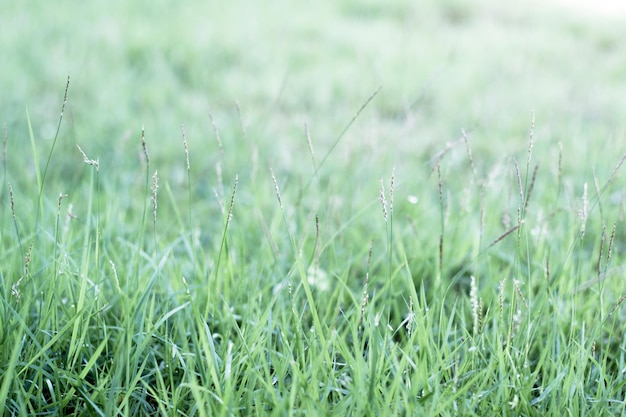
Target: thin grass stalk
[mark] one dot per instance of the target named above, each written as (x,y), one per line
(94,163)
(525,193)
(17,229)
(597,201)
(529,190)
(31,135)
(310,146)
(242,124)
(223,247)
(144,218)
(192,255)
(377,346)
(217,134)
(98,211)
(501,287)
(188,166)
(365,296)
(42,178)
(51,313)
(4,168)
(483,211)
(436,160)
(610,248)
(15,288)
(314,259)
(520,188)
(339,138)
(390,243)
(584,211)
(616,306)
(600,253)
(154,188)
(442,221)
(614,173)
(599,270)
(469,155)
(531,143)
(388,215)
(82,306)
(587,207)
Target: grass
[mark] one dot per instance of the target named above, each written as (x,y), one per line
(359,210)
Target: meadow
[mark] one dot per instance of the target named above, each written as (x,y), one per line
(330,208)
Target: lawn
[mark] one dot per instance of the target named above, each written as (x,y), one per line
(331,208)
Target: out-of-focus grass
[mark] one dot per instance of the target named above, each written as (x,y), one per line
(441,65)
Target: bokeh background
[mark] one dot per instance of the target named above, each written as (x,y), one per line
(441,66)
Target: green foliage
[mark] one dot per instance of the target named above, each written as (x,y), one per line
(413,209)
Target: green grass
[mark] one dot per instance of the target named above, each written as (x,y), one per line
(415,209)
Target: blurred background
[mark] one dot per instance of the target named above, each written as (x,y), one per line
(441,66)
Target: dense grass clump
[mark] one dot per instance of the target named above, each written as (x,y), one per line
(495,294)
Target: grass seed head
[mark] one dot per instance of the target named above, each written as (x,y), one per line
(518,290)
(505,234)
(67,87)
(383,199)
(92,162)
(232,201)
(531,139)
(583,212)
(115,277)
(61,197)
(12,201)
(182,128)
(144,145)
(599,263)
(277,189)
(217,133)
(15,288)
(529,191)
(616,306)
(154,188)
(391,186)
(475,302)
(614,173)
(365,296)
(410,319)
(519,182)
(469,154)
(440,186)
(610,248)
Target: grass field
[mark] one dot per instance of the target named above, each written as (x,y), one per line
(332,208)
